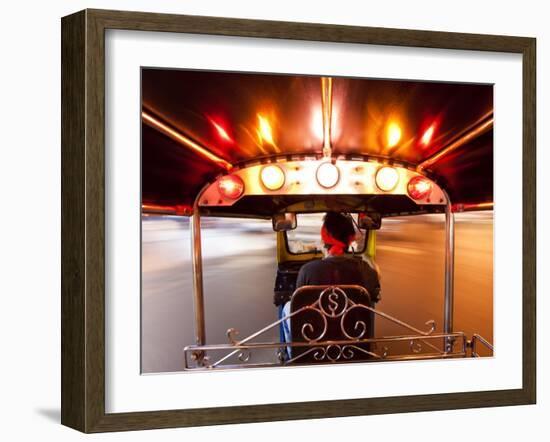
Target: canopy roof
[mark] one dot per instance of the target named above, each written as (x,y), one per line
(443,128)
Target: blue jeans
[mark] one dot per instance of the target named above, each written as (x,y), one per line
(284,327)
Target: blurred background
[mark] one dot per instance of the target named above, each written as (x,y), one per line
(239,264)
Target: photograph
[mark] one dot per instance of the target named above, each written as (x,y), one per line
(249,221)
(304,220)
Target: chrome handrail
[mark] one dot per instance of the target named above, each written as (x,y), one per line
(236,348)
(331,304)
(482,340)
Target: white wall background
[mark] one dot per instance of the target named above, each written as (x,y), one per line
(30,215)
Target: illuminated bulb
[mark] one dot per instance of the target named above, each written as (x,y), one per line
(394,134)
(221,131)
(265,130)
(272,177)
(419,187)
(386,178)
(427,137)
(328,175)
(231,186)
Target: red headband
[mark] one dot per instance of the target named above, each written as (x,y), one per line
(337,246)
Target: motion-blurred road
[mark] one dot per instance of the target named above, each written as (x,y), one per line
(239,273)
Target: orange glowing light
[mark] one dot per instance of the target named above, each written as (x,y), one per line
(393,134)
(221,131)
(317,124)
(427,136)
(264,130)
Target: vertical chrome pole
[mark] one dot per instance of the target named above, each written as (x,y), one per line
(449,274)
(198,298)
(326,103)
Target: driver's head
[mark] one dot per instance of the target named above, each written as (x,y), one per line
(338,231)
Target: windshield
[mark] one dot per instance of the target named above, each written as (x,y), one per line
(306,237)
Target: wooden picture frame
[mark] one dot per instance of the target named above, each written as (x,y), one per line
(83,220)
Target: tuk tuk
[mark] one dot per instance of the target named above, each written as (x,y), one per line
(196,167)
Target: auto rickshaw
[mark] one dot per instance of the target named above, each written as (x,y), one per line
(426,174)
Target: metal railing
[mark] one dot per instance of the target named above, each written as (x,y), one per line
(473,345)
(334,306)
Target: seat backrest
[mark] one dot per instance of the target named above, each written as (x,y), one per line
(322,314)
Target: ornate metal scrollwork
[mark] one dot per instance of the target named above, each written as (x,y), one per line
(351,347)
(431,324)
(308,327)
(232,334)
(319,354)
(334,353)
(360,327)
(244,356)
(336,302)
(347,351)
(415,346)
(332,304)
(199,356)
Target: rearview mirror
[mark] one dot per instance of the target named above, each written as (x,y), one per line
(283,222)
(369,220)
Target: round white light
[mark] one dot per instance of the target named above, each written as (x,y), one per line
(328,175)
(273,177)
(386,178)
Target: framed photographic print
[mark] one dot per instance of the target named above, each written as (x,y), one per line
(267,220)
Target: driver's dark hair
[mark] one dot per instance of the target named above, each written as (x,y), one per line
(339,226)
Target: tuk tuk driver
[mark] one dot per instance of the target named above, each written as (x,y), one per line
(337,233)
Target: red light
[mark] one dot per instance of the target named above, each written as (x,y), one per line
(428,131)
(419,188)
(428,135)
(231,186)
(222,133)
